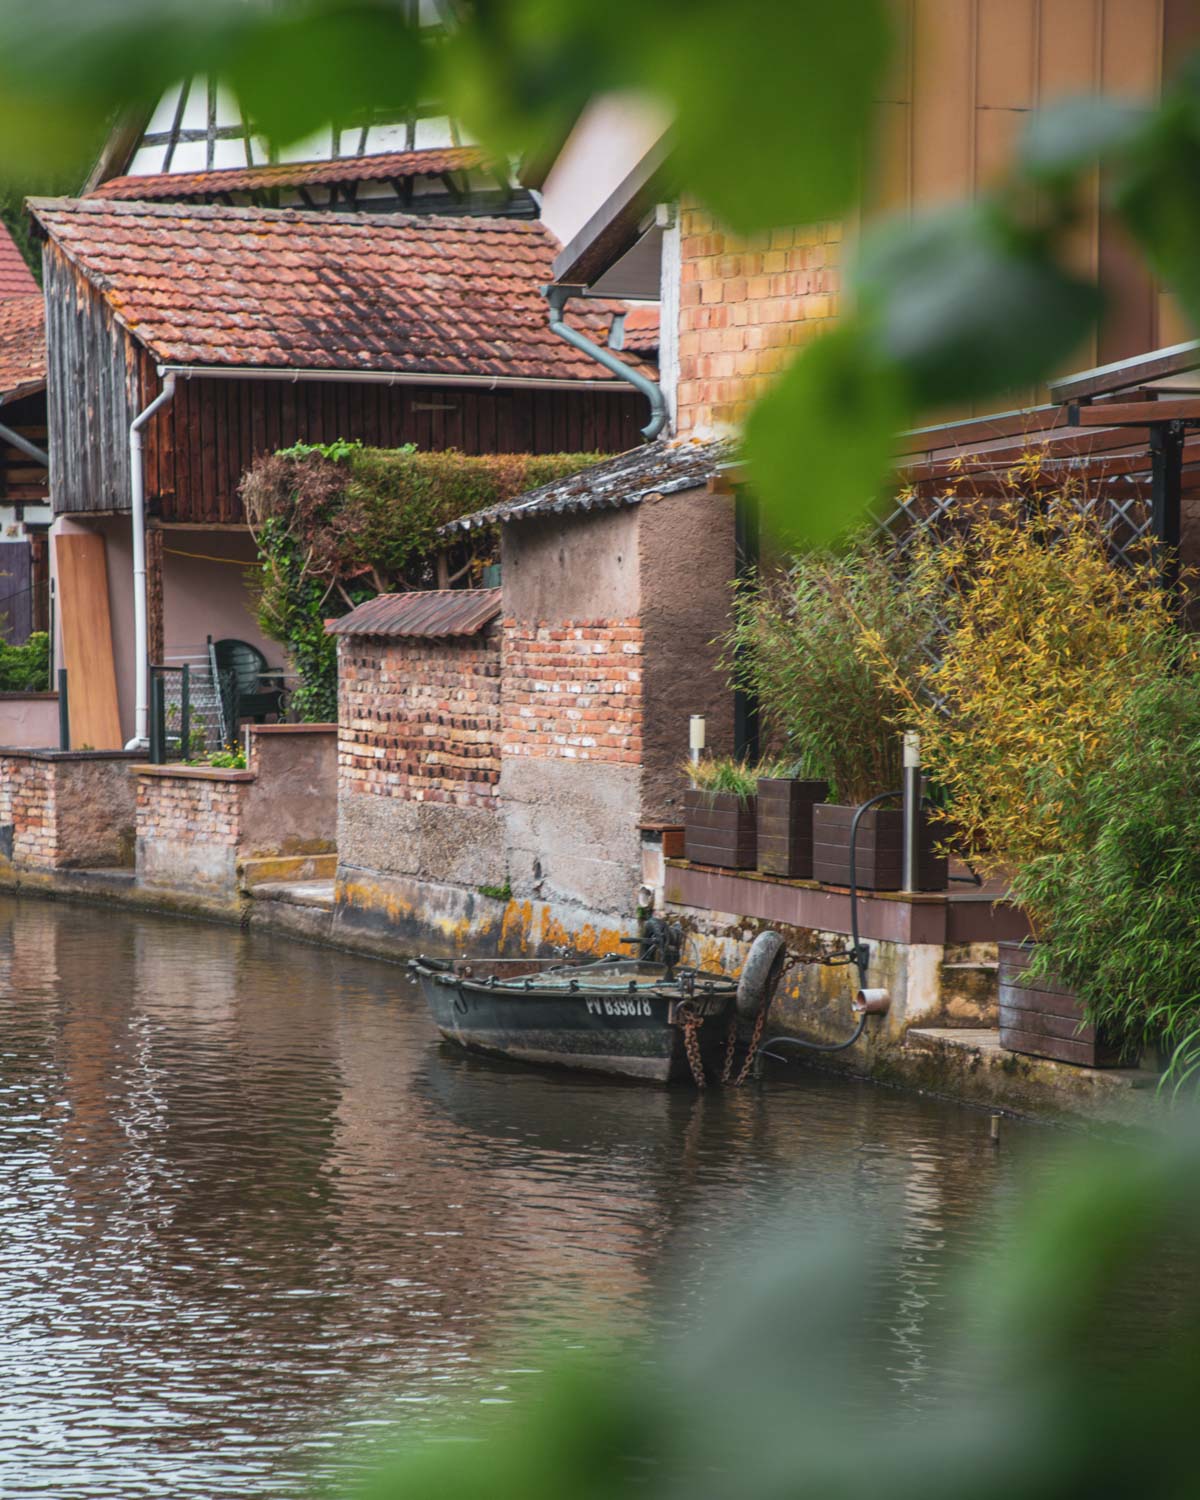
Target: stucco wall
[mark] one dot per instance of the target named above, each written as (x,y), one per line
(29,720)
(687,561)
(572,568)
(203,596)
(291,806)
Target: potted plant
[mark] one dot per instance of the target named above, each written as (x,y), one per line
(720,814)
(797,646)
(1026,717)
(785,821)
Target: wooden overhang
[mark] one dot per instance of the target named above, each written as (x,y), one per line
(617,225)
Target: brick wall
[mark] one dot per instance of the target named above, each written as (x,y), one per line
(420,720)
(573,690)
(65,809)
(744,306)
(27,805)
(189,826)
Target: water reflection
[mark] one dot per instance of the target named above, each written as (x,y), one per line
(246,1199)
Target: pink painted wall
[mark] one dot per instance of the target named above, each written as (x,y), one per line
(206,592)
(29,721)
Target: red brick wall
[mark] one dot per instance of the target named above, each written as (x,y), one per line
(420,719)
(182,811)
(573,690)
(744,306)
(27,802)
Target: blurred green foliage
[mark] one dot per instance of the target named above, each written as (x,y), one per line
(26,668)
(774,120)
(1078,1343)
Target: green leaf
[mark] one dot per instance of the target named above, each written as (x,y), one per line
(1070,136)
(1158,200)
(819,444)
(967,308)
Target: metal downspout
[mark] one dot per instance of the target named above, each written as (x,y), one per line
(23,445)
(558,297)
(141,634)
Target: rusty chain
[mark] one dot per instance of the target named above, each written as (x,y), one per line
(691,1024)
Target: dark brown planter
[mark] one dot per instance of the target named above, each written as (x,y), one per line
(719,829)
(1040,1016)
(879,849)
(785,825)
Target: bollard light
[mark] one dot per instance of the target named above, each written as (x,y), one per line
(696,731)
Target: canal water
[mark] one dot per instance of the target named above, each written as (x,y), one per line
(252,1209)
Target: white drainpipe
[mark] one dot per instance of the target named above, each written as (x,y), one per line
(141,633)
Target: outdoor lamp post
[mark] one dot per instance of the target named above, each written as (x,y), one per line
(696,726)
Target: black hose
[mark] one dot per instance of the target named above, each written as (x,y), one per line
(795,1041)
(860,956)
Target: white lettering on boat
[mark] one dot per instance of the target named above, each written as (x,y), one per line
(621,1007)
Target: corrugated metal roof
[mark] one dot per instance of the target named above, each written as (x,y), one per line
(660,468)
(432,614)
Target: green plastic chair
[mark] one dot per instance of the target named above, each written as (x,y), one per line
(256,690)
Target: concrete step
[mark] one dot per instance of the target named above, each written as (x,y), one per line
(312,893)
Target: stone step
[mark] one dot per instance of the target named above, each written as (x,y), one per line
(314,893)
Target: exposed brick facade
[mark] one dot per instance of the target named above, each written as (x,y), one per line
(420,719)
(178,811)
(573,690)
(64,810)
(744,306)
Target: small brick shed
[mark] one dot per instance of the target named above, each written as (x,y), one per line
(518,742)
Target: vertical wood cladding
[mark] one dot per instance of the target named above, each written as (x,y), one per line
(198,446)
(24,481)
(91,394)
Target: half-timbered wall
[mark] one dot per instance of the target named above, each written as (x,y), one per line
(91,394)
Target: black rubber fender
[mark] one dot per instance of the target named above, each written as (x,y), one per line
(761,974)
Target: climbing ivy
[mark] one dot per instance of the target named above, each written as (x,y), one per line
(337,523)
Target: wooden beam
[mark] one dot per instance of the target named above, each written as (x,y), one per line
(1125,373)
(1137,413)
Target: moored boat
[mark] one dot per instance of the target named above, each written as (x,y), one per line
(631,1017)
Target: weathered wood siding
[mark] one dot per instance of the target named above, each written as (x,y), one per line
(198,447)
(91,394)
(24,481)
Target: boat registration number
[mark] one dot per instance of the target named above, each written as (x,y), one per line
(624,1006)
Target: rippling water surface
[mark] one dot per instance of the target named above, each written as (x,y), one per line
(248,1204)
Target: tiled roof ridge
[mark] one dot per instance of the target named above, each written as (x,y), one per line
(432,161)
(134,208)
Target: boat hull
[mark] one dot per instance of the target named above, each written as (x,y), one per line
(626,1035)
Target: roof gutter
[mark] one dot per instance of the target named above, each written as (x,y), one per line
(558,296)
(23,445)
(387,377)
(141,632)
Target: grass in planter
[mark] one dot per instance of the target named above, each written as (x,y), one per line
(724,773)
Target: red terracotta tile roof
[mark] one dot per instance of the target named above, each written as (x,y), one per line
(384,168)
(276,288)
(16,279)
(431,614)
(22,346)
(642,329)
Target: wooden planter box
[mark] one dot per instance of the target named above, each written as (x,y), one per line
(1041,1017)
(719,828)
(878,849)
(785,825)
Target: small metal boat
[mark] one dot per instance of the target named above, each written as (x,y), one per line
(633,1017)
